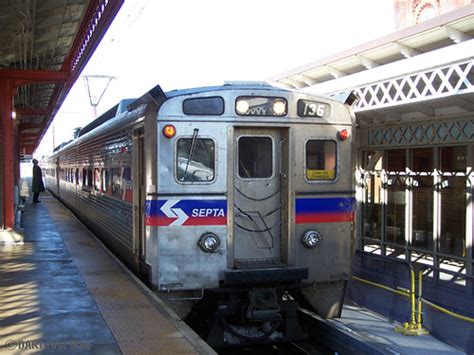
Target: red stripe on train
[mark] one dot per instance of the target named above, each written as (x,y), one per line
(191,221)
(324,217)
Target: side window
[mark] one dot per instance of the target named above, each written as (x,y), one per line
(89,177)
(76,176)
(127,184)
(321,160)
(97,179)
(116,182)
(104,187)
(195,162)
(255,157)
(84,177)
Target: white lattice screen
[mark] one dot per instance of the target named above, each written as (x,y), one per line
(456,79)
(439,132)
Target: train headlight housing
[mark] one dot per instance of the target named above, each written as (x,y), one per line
(209,242)
(311,238)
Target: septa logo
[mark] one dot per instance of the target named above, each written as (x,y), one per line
(186,212)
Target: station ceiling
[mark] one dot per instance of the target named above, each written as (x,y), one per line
(44,45)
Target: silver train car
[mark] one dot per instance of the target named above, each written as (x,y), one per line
(235,201)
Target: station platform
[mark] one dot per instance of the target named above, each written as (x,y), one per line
(61,291)
(361,331)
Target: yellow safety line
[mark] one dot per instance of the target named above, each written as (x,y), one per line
(444,310)
(401,293)
(410,294)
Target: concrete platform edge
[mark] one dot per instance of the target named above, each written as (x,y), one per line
(342,339)
(201,346)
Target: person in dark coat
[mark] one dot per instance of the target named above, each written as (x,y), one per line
(37,185)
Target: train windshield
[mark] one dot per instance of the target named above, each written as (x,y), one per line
(195,160)
(320,160)
(255,157)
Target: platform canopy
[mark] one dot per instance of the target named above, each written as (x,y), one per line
(44,45)
(422,71)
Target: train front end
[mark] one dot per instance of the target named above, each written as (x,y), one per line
(251,210)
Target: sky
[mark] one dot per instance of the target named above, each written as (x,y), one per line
(187,43)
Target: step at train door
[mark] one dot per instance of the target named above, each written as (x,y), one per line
(257,202)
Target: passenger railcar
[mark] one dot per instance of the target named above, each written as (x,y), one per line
(237,200)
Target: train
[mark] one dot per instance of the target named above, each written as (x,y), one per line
(235,203)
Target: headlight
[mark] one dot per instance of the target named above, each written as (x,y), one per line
(261,106)
(279,108)
(311,238)
(242,106)
(209,242)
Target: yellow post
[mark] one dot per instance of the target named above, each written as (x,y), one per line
(420,287)
(412,298)
(414,326)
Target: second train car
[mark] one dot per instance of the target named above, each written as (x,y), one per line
(236,201)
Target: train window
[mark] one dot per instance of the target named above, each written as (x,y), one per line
(104,182)
(195,162)
(76,176)
(127,186)
(204,106)
(84,177)
(97,182)
(321,160)
(116,182)
(89,177)
(255,157)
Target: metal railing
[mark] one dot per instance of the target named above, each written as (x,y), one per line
(415,295)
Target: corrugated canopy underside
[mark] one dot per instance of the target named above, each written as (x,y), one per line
(44,44)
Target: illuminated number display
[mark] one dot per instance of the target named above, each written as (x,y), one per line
(308,108)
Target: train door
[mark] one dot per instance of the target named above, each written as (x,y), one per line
(58,178)
(258,191)
(138,195)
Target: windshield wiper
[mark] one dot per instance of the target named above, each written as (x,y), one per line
(191,152)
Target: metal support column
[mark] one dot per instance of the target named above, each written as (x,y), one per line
(7,169)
